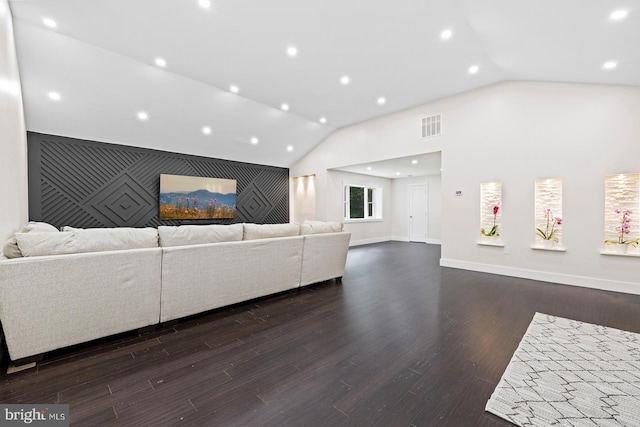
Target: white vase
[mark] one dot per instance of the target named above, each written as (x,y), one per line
(547,244)
(621,248)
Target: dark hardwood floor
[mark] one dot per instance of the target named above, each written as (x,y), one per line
(400,342)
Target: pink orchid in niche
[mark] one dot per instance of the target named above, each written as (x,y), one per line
(550,230)
(623,229)
(494,230)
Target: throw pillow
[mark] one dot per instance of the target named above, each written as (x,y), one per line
(11,249)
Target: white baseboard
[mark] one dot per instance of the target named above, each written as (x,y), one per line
(544,276)
(392,238)
(406,239)
(368,241)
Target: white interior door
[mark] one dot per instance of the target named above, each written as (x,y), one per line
(418,213)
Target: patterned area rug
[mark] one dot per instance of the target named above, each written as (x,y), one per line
(570,373)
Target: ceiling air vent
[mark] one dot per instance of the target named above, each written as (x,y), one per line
(432,126)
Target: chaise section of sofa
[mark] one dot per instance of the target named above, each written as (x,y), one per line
(324,257)
(50,302)
(198,278)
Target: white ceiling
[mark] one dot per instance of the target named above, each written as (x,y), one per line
(402,167)
(100,59)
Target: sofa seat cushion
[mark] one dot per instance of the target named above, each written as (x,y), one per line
(266,231)
(11,249)
(199,234)
(318,227)
(86,240)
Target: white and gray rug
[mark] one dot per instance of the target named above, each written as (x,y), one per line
(570,373)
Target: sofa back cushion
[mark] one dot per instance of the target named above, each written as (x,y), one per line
(318,227)
(198,234)
(11,249)
(265,231)
(86,240)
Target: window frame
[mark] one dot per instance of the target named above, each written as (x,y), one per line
(372,203)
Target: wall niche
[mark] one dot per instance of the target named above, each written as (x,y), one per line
(491,214)
(622,214)
(548,214)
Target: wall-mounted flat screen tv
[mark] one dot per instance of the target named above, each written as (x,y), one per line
(194,197)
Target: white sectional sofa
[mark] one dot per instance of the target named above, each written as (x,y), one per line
(78,285)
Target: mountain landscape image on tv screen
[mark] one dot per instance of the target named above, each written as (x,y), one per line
(194,197)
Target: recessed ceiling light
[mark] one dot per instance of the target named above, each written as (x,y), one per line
(234,89)
(292,51)
(414,162)
(161,62)
(205,4)
(610,65)
(381,100)
(619,14)
(49,22)
(397,173)
(446,34)
(369,168)
(290,148)
(143,115)
(206,130)
(284,107)
(254,140)
(345,80)
(473,69)
(323,120)
(54,96)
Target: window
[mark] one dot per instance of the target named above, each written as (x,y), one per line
(362,202)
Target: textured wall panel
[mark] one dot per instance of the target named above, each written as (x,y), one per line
(92,184)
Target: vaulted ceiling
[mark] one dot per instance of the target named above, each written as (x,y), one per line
(212,75)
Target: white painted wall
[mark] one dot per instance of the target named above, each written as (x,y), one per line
(400,207)
(362,232)
(517,133)
(13,161)
(388,137)
(514,132)
(303,195)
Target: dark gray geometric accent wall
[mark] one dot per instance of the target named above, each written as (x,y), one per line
(89,184)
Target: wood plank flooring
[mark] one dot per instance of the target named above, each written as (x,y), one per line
(400,342)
